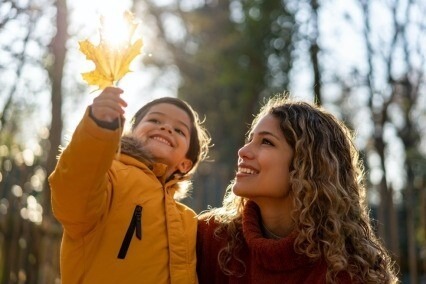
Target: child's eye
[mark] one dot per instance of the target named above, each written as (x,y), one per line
(154,120)
(180,132)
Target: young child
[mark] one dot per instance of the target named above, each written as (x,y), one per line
(120,218)
(296,211)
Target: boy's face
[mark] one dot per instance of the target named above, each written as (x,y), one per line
(165,133)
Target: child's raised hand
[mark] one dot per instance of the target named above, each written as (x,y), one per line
(108,105)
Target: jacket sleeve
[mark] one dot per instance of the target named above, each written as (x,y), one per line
(80,184)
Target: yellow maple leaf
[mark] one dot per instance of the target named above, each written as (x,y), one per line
(112,59)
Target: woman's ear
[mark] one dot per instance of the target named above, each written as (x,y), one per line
(185,166)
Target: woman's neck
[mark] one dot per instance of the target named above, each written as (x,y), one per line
(276,223)
(268,234)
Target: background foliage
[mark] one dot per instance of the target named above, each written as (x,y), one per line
(364,61)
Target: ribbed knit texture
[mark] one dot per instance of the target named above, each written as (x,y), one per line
(266,260)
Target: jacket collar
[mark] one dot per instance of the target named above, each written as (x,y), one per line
(132,153)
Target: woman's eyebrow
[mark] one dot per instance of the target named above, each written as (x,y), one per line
(268,133)
(263,133)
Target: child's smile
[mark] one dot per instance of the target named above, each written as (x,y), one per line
(162,140)
(165,133)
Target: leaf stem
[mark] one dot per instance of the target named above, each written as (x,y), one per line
(117,155)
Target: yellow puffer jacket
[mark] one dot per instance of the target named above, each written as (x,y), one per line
(105,205)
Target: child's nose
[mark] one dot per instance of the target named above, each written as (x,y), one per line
(166,127)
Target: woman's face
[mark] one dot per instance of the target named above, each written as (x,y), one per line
(264,163)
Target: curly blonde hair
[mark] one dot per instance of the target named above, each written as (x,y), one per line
(327,185)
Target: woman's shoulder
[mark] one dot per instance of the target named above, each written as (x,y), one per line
(206,219)
(207,223)
(206,214)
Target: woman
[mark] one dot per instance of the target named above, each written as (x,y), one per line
(296,211)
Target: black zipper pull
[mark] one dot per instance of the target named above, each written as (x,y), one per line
(138,213)
(135,225)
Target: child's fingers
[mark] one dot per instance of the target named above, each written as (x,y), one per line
(113,93)
(108,105)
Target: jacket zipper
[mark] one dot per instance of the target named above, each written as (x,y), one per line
(134,226)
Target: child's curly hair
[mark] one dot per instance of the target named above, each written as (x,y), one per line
(327,185)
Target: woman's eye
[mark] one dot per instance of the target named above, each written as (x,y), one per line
(267,142)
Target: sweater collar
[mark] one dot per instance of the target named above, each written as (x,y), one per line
(275,255)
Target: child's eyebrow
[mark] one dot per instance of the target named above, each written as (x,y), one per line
(177,120)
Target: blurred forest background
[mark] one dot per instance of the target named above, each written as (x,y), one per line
(364,60)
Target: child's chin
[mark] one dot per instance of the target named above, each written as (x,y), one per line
(160,157)
(157,149)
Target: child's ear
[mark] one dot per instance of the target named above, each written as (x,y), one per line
(185,166)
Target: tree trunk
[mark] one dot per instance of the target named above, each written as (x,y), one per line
(50,242)
(314,50)
(58,49)
(411,232)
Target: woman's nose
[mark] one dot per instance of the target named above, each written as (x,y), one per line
(245,152)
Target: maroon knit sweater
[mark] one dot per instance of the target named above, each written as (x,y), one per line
(266,260)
